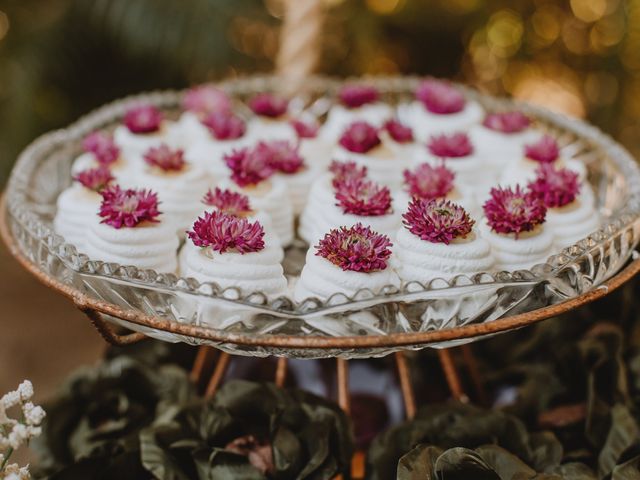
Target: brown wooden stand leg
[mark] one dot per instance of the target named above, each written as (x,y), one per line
(218,374)
(343,385)
(281,371)
(203,364)
(451,374)
(472,366)
(106,330)
(405,385)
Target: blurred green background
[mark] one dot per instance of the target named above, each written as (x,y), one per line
(61,58)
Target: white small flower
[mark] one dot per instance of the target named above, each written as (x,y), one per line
(33,414)
(10,399)
(25,389)
(19,434)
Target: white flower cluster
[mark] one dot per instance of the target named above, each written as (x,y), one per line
(15,433)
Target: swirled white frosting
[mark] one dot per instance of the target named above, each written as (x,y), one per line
(320,196)
(209,154)
(147,245)
(263,128)
(320,278)
(574,221)
(250,272)
(422,261)
(523,171)
(125,171)
(384,165)
(189,130)
(136,144)
(341,117)
(77,209)
(501,148)
(316,151)
(298,186)
(529,249)
(425,123)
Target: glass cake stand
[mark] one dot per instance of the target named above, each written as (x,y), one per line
(438,314)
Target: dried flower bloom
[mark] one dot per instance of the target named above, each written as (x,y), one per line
(228,201)
(357,248)
(128,208)
(363,197)
(205,99)
(514,211)
(305,128)
(398,131)
(282,155)
(555,187)
(224,125)
(259,453)
(249,166)
(102,146)
(437,221)
(440,97)
(143,119)
(268,105)
(545,150)
(454,145)
(507,122)
(94,178)
(429,182)
(360,137)
(222,232)
(165,158)
(354,96)
(343,171)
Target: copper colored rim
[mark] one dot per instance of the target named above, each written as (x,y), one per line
(87,304)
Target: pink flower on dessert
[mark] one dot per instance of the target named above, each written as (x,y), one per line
(102,146)
(228,201)
(360,137)
(437,221)
(555,187)
(507,122)
(223,232)
(354,96)
(128,208)
(429,182)
(143,119)
(398,131)
(224,125)
(283,156)
(249,166)
(440,97)
(268,105)
(357,248)
(514,211)
(545,150)
(165,158)
(454,145)
(305,128)
(205,99)
(94,178)
(343,171)
(363,197)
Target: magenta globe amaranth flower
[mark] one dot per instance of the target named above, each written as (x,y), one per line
(514,211)
(268,105)
(453,145)
(555,187)
(249,166)
(398,131)
(143,119)
(440,97)
(343,171)
(357,248)
(102,146)
(429,182)
(437,221)
(223,232)
(94,179)
(360,137)
(356,95)
(507,122)
(545,150)
(363,197)
(165,158)
(128,208)
(224,125)
(205,99)
(283,156)
(228,201)
(307,128)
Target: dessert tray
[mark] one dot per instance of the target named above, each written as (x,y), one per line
(441,313)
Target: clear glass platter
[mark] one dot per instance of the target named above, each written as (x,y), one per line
(176,309)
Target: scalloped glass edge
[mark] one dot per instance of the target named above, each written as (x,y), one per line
(568,259)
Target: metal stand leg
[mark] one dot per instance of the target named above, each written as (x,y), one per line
(472,366)
(451,374)
(202,363)
(405,384)
(218,374)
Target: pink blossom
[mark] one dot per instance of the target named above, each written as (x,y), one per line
(268,105)
(343,171)
(224,125)
(429,182)
(454,145)
(94,178)
(507,122)
(360,137)
(249,166)
(398,131)
(165,158)
(143,119)
(223,232)
(102,146)
(555,187)
(228,201)
(440,97)
(206,99)
(354,96)
(514,211)
(545,150)
(363,197)
(128,208)
(357,248)
(282,155)
(437,221)
(305,128)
